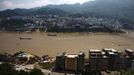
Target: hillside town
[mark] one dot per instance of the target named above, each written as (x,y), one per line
(56,23)
(107,61)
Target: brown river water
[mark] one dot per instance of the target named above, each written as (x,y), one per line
(42,44)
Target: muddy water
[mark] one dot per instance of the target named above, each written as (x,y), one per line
(41,44)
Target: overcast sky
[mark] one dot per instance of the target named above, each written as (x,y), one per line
(11,4)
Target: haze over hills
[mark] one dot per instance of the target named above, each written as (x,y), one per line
(120,9)
(113,8)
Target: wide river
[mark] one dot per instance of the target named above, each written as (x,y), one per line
(41,44)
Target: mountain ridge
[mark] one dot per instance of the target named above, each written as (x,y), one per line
(121,9)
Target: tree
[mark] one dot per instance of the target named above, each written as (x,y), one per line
(36,71)
(7,69)
(22,72)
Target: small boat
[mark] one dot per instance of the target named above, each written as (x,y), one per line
(25,38)
(51,34)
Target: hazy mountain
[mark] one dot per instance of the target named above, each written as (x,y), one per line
(32,11)
(70,8)
(46,11)
(122,9)
(117,8)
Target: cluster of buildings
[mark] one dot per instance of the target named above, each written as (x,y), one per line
(57,23)
(24,61)
(70,62)
(21,57)
(110,60)
(105,60)
(99,60)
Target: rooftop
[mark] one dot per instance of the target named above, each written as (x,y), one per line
(109,50)
(81,53)
(25,55)
(61,54)
(72,55)
(95,50)
(111,53)
(129,50)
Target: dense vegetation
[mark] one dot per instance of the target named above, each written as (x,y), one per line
(8,69)
(47,65)
(14,24)
(128,72)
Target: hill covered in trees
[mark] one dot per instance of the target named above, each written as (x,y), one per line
(118,9)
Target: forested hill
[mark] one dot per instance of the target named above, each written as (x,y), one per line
(121,9)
